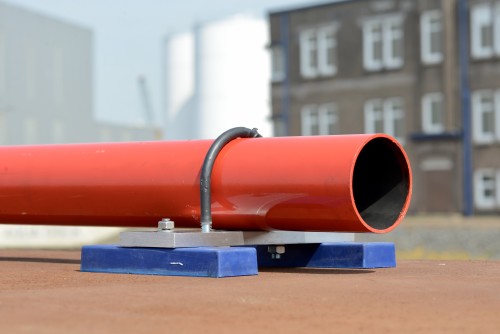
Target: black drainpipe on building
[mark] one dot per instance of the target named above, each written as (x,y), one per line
(463,40)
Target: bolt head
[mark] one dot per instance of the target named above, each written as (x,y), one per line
(166,224)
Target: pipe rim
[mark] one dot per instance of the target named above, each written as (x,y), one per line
(381,183)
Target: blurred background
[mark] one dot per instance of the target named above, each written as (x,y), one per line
(424,71)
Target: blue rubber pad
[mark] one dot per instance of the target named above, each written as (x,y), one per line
(332,255)
(196,261)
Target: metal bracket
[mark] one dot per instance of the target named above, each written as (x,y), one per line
(180,239)
(168,237)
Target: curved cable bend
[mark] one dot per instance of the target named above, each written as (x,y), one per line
(206,170)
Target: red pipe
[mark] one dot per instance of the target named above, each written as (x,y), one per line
(355,183)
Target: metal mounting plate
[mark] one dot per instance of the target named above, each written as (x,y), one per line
(293,237)
(195,238)
(179,239)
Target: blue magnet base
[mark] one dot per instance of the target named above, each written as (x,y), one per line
(359,255)
(196,261)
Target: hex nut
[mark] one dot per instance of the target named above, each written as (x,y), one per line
(280,249)
(276,249)
(166,224)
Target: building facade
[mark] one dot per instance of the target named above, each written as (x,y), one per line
(426,72)
(46,83)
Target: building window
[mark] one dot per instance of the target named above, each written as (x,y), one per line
(319,119)
(372,50)
(394,118)
(386,116)
(327,50)
(374,116)
(308,53)
(485,184)
(432,113)
(318,52)
(485,30)
(431,50)
(383,43)
(277,63)
(485,115)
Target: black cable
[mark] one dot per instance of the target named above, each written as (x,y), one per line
(206,170)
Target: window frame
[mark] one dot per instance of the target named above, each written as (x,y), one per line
(428,125)
(324,44)
(321,116)
(314,47)
(369,39)
(308,113)
(392,61)
(308,46)
(328,116)
(388,111)
(384,30)
(427,29)
(495,13)
(374,112)
(481,16)
(478,134)
(481,201)
(278,66)
(393,113)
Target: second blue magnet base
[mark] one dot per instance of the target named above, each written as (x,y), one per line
(356,255)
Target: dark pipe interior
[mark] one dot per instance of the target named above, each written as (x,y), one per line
(381,183)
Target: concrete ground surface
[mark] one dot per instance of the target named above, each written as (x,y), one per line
(44,292)
(444,237)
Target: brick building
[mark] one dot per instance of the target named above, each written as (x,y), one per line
(425,71)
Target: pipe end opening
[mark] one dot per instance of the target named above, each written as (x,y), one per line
(381,183)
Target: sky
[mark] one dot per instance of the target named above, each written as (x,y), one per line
(127,37)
